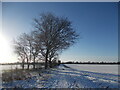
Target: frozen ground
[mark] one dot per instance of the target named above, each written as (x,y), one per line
(65,77)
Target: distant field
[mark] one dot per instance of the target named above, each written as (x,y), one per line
(113,69)
(9,67)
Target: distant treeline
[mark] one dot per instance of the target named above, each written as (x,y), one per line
(70,62)
(37,63)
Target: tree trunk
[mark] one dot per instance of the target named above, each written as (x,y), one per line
(46,63)
(34,63)
(28,64)
(23,65)
(50,63)
(46,60)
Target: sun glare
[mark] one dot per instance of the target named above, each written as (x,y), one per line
(5,50)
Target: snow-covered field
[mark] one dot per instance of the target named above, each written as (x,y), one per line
(10,67)
(113,69)
(68,76)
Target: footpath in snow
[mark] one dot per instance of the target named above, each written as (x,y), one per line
(65,77)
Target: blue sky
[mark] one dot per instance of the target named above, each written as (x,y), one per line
(97,24)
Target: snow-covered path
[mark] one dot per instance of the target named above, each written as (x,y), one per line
(65,77)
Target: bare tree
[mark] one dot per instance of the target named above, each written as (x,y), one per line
(35,48)
(53,55)
(55,34)
(52,35)
(21,49)
(27,48)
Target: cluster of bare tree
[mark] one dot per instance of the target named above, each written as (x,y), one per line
(51,35)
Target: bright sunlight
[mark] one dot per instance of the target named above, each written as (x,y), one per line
(6,54)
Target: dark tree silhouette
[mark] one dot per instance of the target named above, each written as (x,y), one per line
(27,49)
(21,49)
(51,36)
(54,33)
